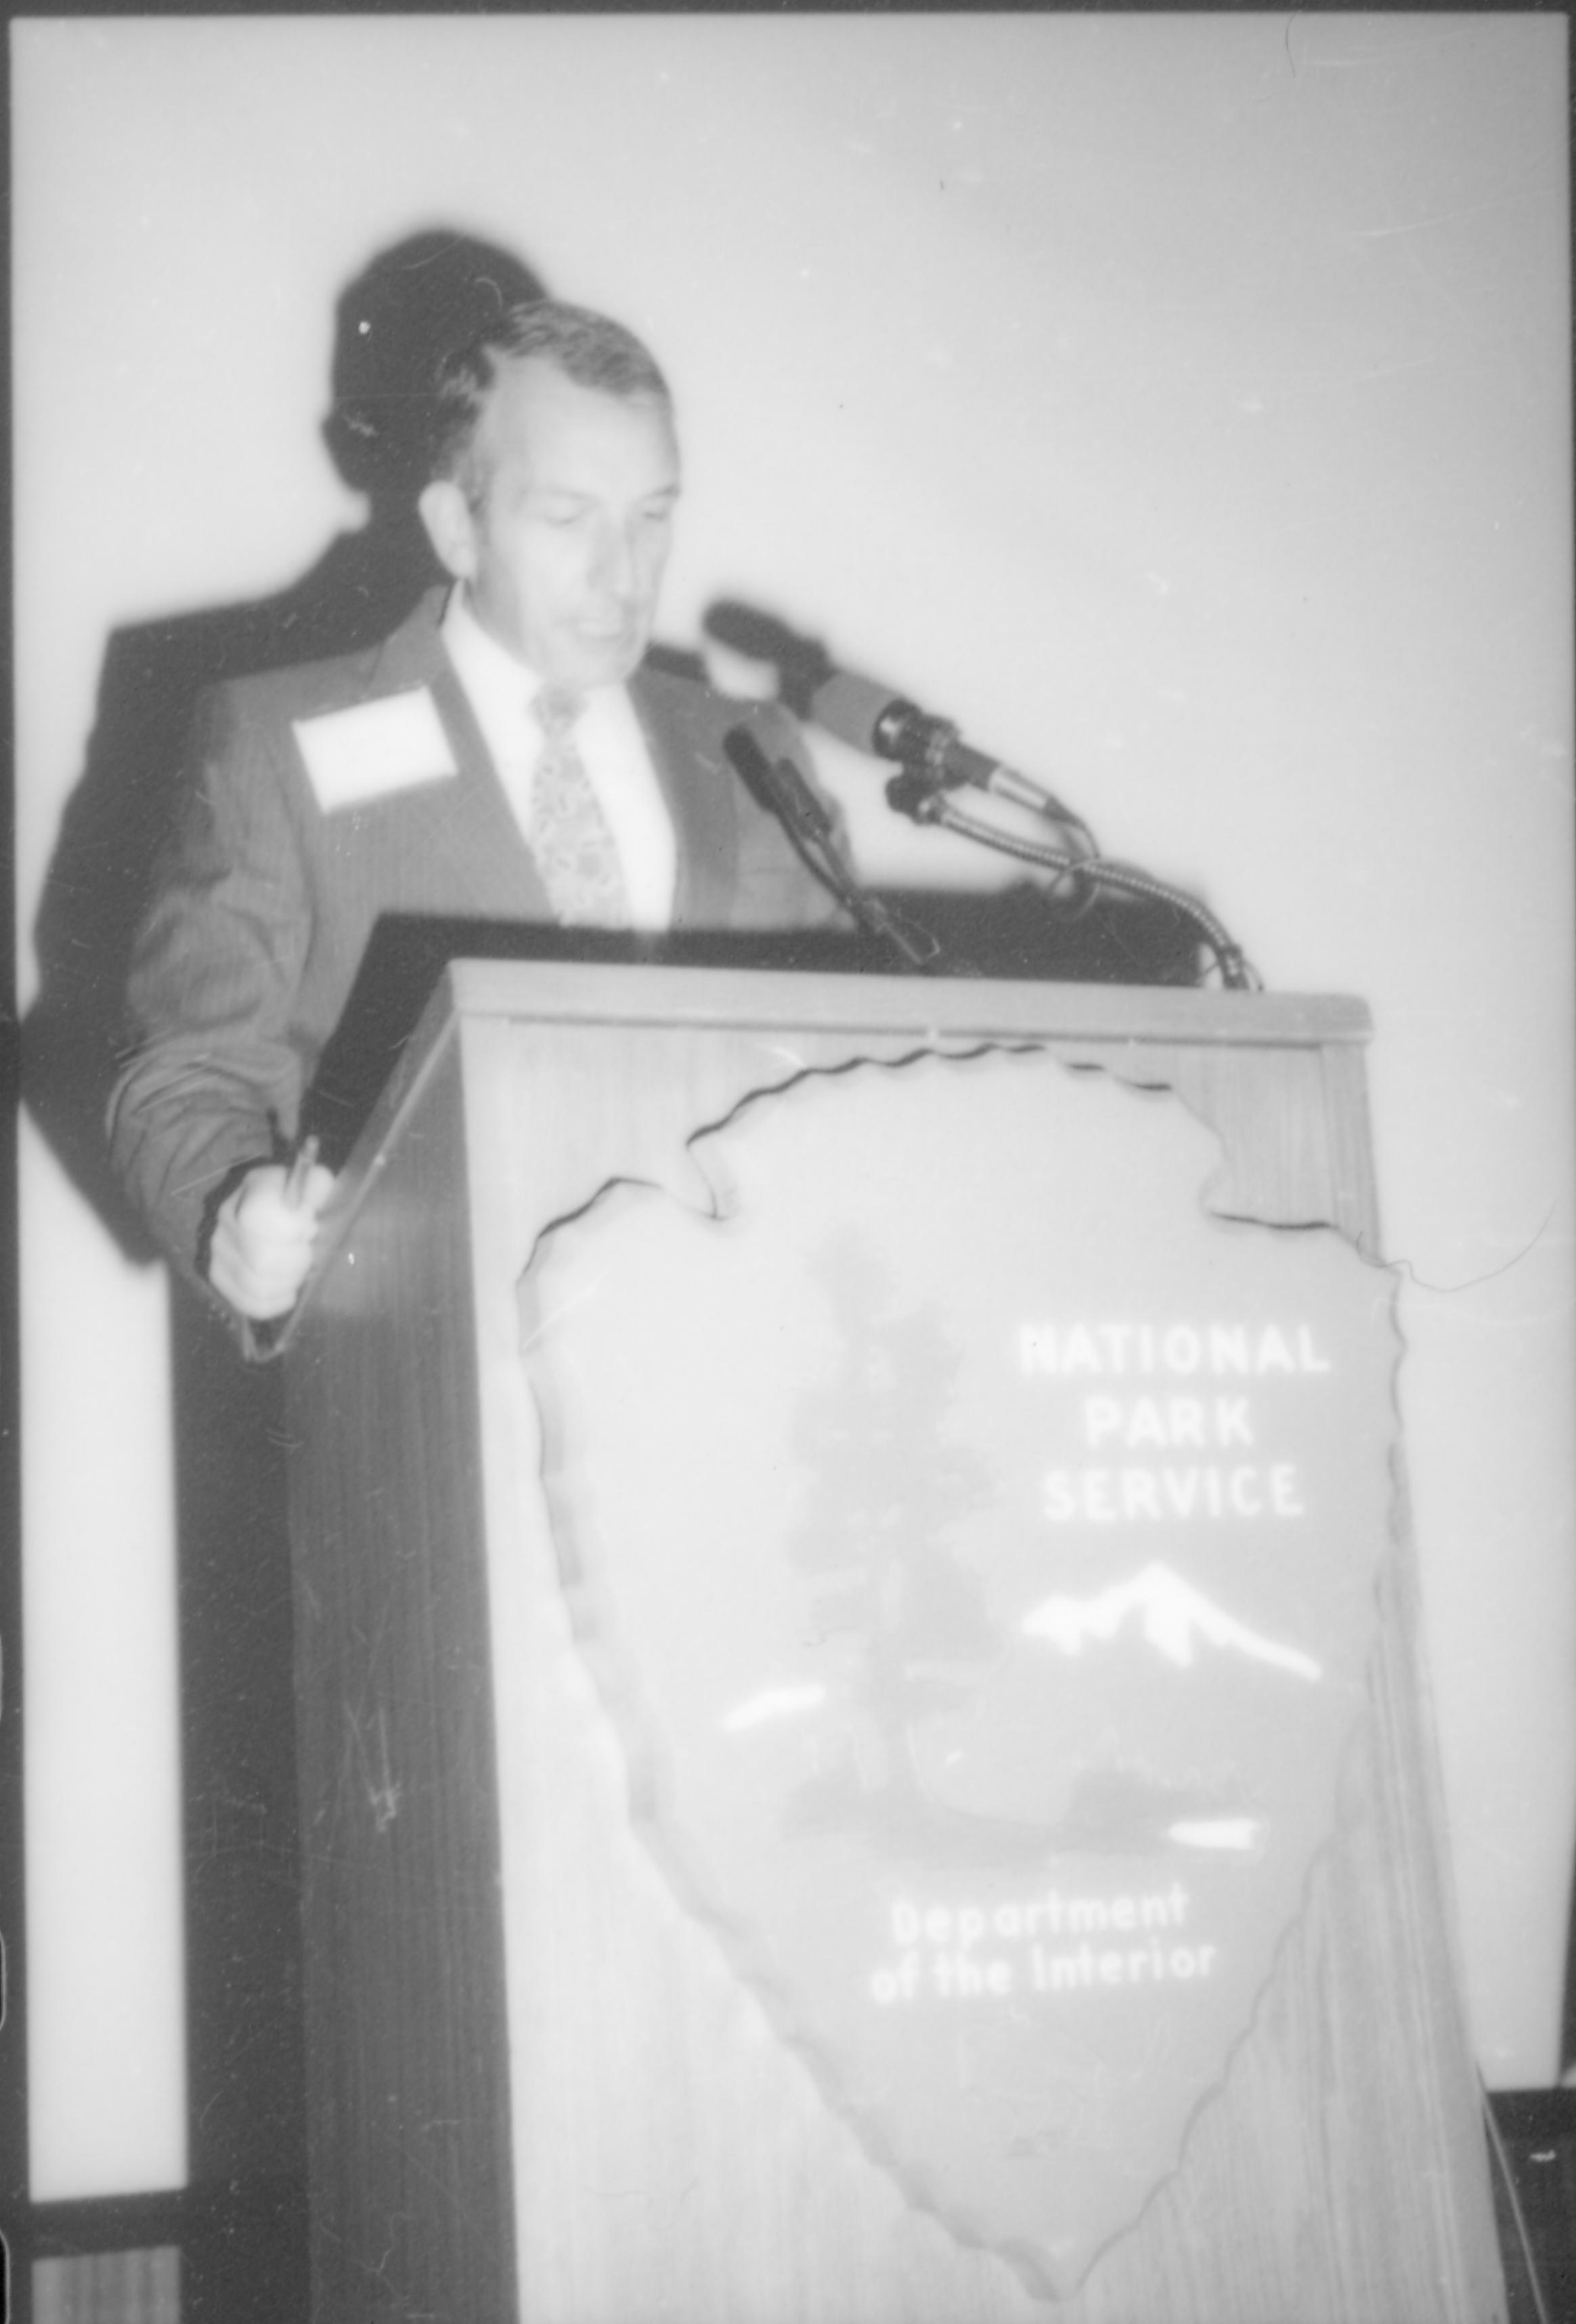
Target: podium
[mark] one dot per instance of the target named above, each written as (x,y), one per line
(545,2081)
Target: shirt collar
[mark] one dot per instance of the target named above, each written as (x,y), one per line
(490,671)
(499,686)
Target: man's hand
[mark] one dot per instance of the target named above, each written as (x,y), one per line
(263,1233)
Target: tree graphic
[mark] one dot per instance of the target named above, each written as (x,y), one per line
(900,1615)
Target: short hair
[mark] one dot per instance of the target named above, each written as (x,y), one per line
(590,350)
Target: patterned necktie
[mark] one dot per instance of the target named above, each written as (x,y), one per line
(569,835)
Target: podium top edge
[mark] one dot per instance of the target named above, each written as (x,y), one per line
(922,1008)
(773,999)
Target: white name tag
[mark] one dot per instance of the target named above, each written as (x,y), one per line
(375,749)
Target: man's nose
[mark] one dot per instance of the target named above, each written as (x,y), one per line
(616,568)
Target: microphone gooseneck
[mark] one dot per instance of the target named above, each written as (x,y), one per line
(934,760)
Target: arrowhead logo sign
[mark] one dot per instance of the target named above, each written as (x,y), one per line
(976,1542)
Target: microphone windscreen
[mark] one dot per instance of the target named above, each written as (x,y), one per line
(801,663)
(760,637)
(852,709)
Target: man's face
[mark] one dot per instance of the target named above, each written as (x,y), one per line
(563,557)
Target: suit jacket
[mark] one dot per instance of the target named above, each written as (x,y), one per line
(267,899)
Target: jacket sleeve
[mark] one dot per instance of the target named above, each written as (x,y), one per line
(212,1081)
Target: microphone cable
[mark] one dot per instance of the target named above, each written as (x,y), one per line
(913,794)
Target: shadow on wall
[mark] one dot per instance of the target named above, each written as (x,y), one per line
(245,2095)
(412,303)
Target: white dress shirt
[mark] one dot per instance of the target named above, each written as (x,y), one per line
(612,750)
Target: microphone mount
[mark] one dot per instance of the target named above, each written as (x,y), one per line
(936,759)
(938,734)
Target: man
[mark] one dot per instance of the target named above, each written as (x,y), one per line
(502,754)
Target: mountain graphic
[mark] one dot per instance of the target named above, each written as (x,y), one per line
(1173,1617)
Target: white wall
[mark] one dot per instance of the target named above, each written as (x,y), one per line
(1180,402)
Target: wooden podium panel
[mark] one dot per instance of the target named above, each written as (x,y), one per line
(538,2088)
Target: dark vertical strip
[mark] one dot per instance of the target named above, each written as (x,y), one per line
(13,2189)
(241,1860)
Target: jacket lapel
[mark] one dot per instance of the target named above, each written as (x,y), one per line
(470,821)
(686,758)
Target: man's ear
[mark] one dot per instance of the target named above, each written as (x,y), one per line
(451,527)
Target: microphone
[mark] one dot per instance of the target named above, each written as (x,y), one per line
(801,663)
(876,719)
(778,784)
